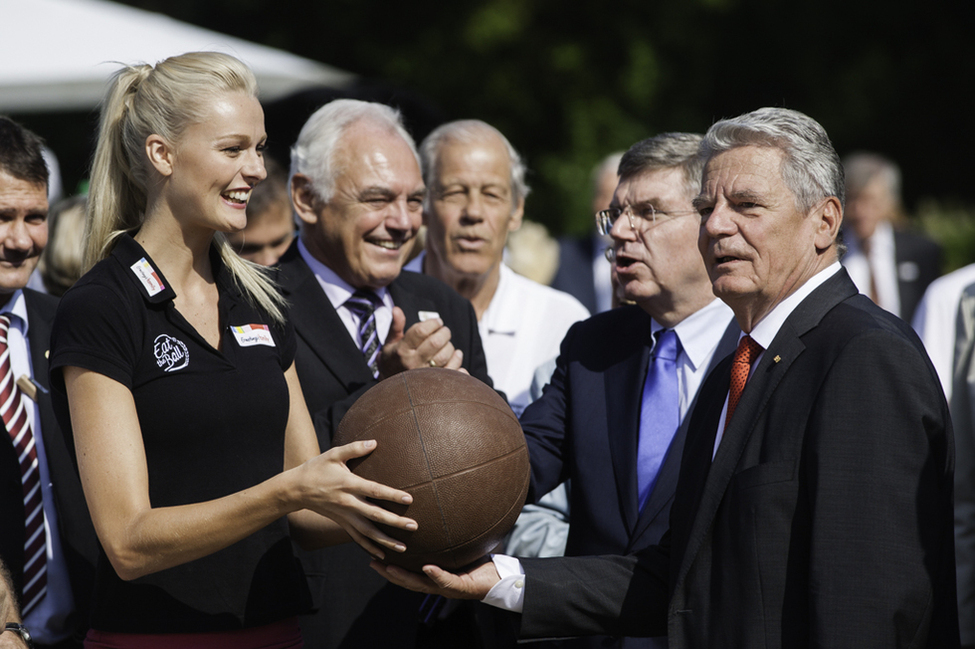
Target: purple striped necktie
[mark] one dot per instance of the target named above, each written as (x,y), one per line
(13,409)
(363,304)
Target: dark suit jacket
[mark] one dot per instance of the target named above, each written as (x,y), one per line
(78,540)
(824,519)
(586,426)
(357,607)
(574,275)
(918,263)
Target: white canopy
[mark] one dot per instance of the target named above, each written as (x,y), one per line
(59,54)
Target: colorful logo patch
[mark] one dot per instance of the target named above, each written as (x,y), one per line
(171,353)
(252,334)
(147,275)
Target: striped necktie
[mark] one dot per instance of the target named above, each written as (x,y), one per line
(13,409)
(363,304)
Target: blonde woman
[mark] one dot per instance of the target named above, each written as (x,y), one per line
(173,370)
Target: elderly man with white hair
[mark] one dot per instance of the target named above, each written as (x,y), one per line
(357,191)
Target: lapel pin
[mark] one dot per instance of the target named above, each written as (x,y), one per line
(47,353)
(777,358)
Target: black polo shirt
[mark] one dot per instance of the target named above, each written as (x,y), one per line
(212,422)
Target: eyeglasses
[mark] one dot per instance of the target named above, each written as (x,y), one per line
(641,219)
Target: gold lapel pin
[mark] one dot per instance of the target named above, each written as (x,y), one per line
(777,358)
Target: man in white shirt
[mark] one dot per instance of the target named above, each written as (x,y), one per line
(814,505)
(476,195)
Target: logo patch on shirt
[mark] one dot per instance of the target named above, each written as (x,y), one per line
(252,334)
(171,353)
(147,275)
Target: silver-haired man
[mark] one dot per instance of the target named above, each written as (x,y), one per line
(814,505)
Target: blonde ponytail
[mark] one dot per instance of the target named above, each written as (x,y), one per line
(143,100)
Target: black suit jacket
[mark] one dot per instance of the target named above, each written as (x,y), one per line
(357,607)
(824,520)
(918,263)
(78,540)
(586,427)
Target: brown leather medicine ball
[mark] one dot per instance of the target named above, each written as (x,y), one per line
(456,447)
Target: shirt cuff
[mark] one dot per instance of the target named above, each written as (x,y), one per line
(509,593)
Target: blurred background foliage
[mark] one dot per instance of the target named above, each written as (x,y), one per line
(569,83)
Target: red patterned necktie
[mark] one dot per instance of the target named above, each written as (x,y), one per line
(13,409)
(748,350)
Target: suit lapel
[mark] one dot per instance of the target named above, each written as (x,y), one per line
(39,335)
(624,393)
(312,313)
(785,348)
(410,302)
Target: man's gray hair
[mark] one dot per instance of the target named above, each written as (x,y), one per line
(862,167)
(313,155)
(667,151)
(469,131)
(811,168)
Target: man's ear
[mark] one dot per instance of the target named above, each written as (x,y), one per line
(303,199)
(161,154)
(516,215)
(829,217)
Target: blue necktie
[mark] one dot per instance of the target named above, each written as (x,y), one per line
(659,412)
(363,303)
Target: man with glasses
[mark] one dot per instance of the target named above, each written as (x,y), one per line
(814,504)
(613,419)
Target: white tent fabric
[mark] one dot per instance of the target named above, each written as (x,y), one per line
(59,54)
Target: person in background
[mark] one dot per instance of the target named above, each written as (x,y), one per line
(583,270)
(888,264)
(270,221)
(476,195)
(63,257)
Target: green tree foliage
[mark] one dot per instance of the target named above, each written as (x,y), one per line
(570,82)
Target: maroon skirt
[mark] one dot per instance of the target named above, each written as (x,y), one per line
(285,634)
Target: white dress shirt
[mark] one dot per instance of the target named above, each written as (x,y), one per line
(765,331)
(881,264)
(521,330)
(935,321)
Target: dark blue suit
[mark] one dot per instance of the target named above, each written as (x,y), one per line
(586,427)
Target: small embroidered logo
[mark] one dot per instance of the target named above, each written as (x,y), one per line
(171,353)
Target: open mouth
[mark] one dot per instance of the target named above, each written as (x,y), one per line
(238,196)
(388,244)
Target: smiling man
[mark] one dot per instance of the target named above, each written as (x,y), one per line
(46,537)
(357,190)
(814,504)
